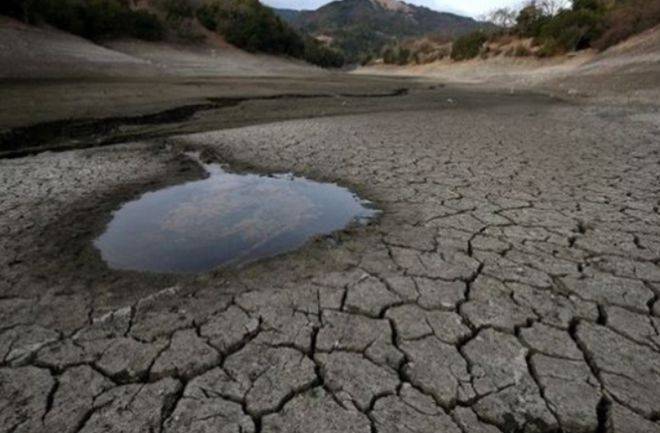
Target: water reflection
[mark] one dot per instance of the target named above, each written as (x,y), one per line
(226,219)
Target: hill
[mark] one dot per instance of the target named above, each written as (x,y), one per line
(627,72)
(288,15)
(361,28)
(31,52)
(246,24)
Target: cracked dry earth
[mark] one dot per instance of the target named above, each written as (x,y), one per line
(511,285)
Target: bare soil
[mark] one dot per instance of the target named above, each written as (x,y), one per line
(512,283)
(626,73)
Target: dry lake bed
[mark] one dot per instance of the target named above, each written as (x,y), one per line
(509,281)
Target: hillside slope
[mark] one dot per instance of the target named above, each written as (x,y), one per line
(628,71)
(37,52)
(390,17)
(362,27)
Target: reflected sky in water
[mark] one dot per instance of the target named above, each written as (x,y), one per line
(226,219)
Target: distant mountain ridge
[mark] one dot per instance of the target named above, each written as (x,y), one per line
(288,15)
(362,27)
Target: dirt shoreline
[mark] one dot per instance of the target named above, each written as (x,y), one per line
(64,127)
(622,75)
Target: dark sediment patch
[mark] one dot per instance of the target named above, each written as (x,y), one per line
(88,132)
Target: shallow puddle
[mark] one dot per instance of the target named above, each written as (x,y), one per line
(226,219)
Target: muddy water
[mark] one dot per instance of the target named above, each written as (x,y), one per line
(226,219)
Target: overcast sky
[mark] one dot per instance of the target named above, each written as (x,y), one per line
(472,8)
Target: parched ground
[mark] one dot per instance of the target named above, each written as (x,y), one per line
(511,284)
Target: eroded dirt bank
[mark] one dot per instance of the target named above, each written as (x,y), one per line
(511,285)
(623,74)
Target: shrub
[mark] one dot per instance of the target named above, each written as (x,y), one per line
(588,23)
(318,54)
(402,56)
(468,46)
(530,21)
(572,29)
(396,55)
(186,32)
(388,56)
(146,26)
(253,27)
(550,48)
(176,10)
(589,5)
(206,17)
(13,8)
(596,23)
(366,59)
(94,19)
(68,15)
(106,18)
(626,19)
(522,51)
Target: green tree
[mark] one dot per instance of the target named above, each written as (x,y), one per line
(468,46)
(93,19)
(251,26)
(530,21)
